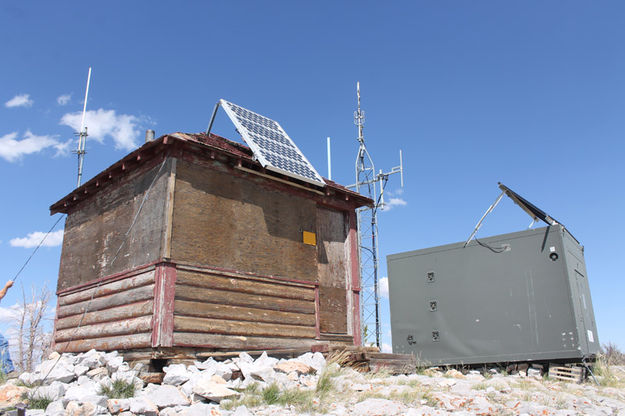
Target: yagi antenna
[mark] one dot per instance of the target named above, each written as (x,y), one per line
(82,133)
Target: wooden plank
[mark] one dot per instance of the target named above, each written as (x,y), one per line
(108,288)
(332,310)
(212,281)
(211,310)
(129,326)
(105,343)
(222,326)
(109,301)
(240,343)
(133,310)
(169,210)
(163,322)
(244,299)
(574,374)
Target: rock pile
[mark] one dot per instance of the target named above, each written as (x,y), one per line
(81,385)
(76,384)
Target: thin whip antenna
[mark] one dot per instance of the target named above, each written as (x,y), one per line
(82,133)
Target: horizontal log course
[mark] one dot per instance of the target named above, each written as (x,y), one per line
(108,301)
(108,288)
(129,326)
(221,326)
(244,285)
(239,343)
(211,310)
(275,303)
(105,343)
(112,315)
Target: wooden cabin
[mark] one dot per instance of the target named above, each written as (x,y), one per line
(188,244)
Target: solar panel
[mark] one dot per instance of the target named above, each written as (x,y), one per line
(273,148)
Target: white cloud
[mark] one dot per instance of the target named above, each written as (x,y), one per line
(383,287)
(12,149)
(394,202)
(387,348)
(19,101)
(10,314)
(33,239)
(101,123)
(64,99)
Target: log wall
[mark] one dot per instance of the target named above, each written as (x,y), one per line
(119,314)
(225,310)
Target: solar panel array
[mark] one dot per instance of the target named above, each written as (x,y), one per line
(273,148)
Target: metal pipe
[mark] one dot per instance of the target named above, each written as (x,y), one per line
(329,161)
(479,223)
(210,124)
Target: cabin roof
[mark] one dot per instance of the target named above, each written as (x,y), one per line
(203,145)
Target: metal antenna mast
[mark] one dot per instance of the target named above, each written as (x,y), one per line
(82,133)
(370,184)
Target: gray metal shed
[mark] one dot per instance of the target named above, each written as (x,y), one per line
(514,297)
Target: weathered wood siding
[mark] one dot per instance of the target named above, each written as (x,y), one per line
(332,231)
(221,220)
(96,230)
(226,310)
(119,315)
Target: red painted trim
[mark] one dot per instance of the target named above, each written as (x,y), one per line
(156,307)
(317,317)
(56,318)
(221,271)
(355,273)
(167,311)
(107,279)
(163,311)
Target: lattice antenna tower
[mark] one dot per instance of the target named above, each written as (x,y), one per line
(371,184)
(82,134)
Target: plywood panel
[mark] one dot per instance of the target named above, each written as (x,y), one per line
(332,229)
(243,285)
(96,230)
(211,310)
(222,220)
(223,326)
(243,299)
(333,310)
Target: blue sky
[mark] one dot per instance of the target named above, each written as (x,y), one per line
(528,93)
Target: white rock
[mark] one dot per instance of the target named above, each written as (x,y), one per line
(113,362)
(200,409)
(315,360)
(241,411)
(92,359)
(35,412)
(55,408)
(80,369)
(118,405)
(97,373)
(78,392)
(54,391)
(213,391)
(374,407)
(164,395)
(176,374)
(168,411)
(143,406)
